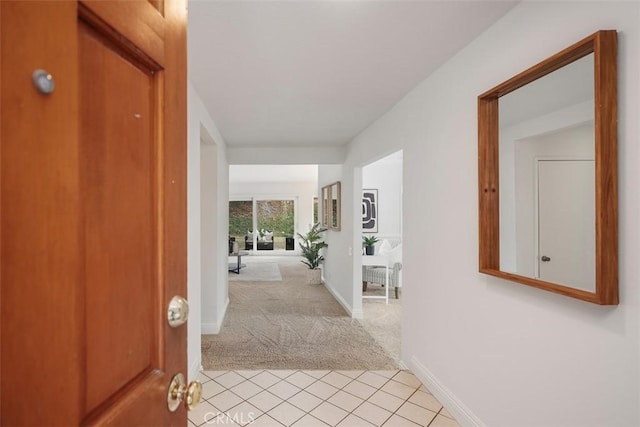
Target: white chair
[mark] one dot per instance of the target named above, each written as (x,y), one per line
(377,275)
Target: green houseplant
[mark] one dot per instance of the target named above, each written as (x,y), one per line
(311,243)
(369,242)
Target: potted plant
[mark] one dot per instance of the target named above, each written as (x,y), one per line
(369,242)
(311,243)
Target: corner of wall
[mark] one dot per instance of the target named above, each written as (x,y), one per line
(356,314)
(213,328)
(451,402)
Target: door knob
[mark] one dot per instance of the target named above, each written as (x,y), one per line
(178,311)
(545,258)
(179,391)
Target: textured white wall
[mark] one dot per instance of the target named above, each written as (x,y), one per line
(201,127)
(499,353)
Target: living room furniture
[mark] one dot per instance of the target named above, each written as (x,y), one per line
(387,276)
(368,263)
(236,266)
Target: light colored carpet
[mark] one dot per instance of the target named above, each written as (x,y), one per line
(288,325)
(257,272)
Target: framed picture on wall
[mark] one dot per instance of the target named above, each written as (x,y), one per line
(370,211)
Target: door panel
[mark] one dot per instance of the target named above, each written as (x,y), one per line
(93,211)
(567,224)
(118,187)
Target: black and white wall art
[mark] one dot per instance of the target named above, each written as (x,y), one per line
(370,211)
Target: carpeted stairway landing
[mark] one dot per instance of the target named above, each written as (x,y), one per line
(288,325)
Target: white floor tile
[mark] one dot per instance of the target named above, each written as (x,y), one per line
(265,379)
(249,374)
(372,413)
(282,373)
(386,374)
(202,378)
(265,401)
(301,379)
(351,374)
(244,413)
(398,421)
(246,389)
(284,390)
(322,390)
(225,400)
(211,388)
(204,409)
(441,421)
(329,413)
(336,379)
(266,421)
(346,401)
(214,374)
(309,421)
(425,400)
(399,390)
(305,401)
(286,413)
(407,378)
(229,379)
(353,421)
(374,380)
(359,389)
(417,414)
(317,373)
(386,400)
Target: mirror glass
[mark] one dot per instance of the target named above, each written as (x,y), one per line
(325,206)
(547,178)
(335,206)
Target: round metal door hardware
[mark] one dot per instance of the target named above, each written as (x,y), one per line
(43,81)
(178,311)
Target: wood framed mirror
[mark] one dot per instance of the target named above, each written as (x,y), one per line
(547,174)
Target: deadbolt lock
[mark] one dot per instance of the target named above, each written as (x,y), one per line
(178,311)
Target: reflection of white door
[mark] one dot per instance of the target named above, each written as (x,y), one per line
(566,222)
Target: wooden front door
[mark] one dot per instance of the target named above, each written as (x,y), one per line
(92,211)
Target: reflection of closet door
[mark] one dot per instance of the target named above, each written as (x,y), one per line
(566,222)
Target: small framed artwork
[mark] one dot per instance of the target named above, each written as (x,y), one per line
(370,211)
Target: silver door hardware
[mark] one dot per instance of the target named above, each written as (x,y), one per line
(43,81)
(178,311)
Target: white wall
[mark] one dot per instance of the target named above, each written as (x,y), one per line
(495,352)
(385,175)
(201,129)
(303,191)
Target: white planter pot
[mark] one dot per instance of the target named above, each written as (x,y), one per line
(313,277)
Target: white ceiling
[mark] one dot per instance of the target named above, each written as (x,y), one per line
(316,73)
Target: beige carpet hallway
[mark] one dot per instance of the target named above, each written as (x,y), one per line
(289,325)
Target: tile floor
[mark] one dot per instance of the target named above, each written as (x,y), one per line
(316,398)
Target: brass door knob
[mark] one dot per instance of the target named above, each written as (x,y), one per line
(179,391)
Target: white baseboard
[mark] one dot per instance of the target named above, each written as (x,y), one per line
(341,301)
(213,328)
(462,414)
